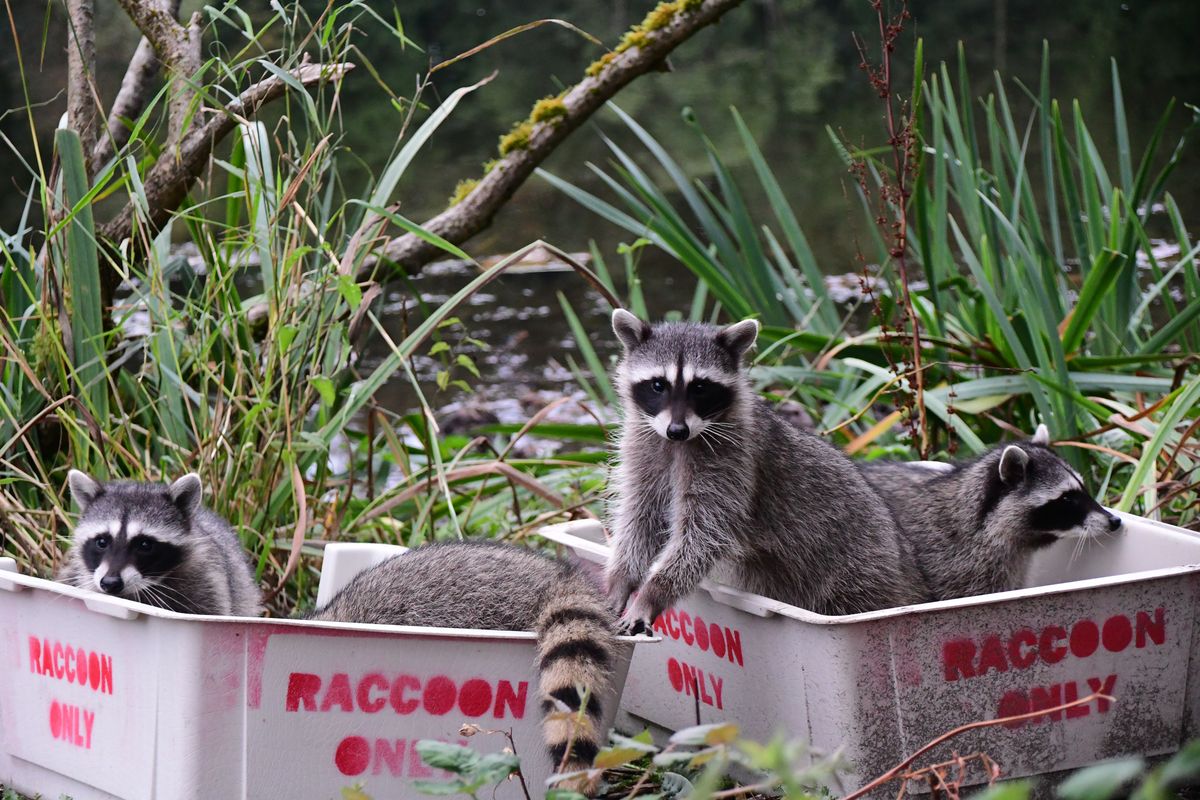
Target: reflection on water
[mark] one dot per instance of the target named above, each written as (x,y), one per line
(788,65)
(520,319)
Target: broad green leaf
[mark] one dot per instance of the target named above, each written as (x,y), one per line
(1101,782)
(450,757)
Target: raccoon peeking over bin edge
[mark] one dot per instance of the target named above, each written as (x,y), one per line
(708,472)
(497,586)
(974,526)
(158,545)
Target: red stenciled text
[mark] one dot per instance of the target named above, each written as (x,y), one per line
(966,658)
(355,755)
(405,694)
(1020,650)
(71,664)
(1017,702)
(707,636)
(71,724)
(692,681)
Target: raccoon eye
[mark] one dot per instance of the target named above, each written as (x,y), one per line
(102,541)
(144,545)
(658,385)
(699,386)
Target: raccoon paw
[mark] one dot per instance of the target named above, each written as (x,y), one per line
(618,589)
(639,616)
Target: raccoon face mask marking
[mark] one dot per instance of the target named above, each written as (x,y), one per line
(1051,495)
(130,546)
(681,383)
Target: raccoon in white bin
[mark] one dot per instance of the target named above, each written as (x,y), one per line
(158,545)
(975,524)
(497,586)
(707,472)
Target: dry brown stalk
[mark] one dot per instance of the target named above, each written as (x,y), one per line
(898,770)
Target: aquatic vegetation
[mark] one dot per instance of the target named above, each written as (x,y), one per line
(1083,326)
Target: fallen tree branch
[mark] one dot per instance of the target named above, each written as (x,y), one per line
(136,89)
(81,70)
(178,47)
(475,212)
(168,181)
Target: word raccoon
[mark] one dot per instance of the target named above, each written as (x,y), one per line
(496,586)
(974,526)
(158,545)
(708,472)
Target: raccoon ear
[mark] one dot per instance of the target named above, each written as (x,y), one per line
(187,492)
(1041,435)
(629,329)
(739,337)
(1013,463)
(84,488)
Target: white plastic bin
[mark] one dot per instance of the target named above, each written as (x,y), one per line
(106,698)
(1119,616)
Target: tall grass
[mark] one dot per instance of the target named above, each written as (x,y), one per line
(259,389)
(1041,297)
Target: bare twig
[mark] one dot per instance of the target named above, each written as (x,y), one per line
(168,181)
(899,769)
(894,196)
(475,212)
(136,88)
(178,47)
(533,485)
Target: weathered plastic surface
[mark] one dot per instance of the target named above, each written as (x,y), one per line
(1118,616)
(106,698)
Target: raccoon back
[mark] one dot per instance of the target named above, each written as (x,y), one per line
(496,586)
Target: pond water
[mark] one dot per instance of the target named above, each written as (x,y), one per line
(789,66)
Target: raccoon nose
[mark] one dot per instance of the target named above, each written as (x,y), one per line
(112,584)
(1114,522)
(677,431)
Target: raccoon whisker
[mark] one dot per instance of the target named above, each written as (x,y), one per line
(199,564)
(719,435)
(710,437)
(149,596)
(1077,550)
(165,595)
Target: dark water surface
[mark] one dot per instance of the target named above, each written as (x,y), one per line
(789,66)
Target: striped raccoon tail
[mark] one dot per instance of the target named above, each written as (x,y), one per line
(576,655)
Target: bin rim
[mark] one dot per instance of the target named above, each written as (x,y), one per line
(12,579)
(563,534)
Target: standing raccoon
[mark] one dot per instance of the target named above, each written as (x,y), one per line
(158,545)
(708,472)
(495,586)
(974,526)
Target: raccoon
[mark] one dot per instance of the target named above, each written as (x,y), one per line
(974,526)
(158,545)
(497,586)
(709,473)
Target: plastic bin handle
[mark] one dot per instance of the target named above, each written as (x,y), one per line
(751,604)
(9,565)
(101,605)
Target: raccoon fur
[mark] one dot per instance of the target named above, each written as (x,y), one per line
(158,545)
(974,526)
(497,586)
(709,473)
